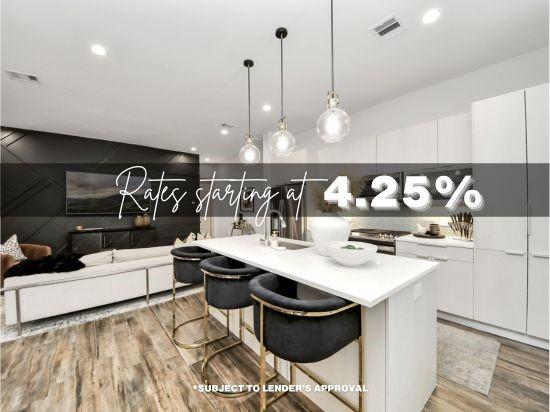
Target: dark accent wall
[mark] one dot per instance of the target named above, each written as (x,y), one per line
(34,187)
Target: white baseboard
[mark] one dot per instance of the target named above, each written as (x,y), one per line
(495,330)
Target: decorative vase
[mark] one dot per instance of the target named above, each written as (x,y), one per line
(325,229)
(146,220)
(138,221)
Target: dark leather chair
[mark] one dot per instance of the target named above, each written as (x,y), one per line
(186,262)
(226,287)
(302,330)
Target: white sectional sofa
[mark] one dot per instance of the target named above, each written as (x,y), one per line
(104,280)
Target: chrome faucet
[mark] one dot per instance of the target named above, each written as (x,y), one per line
(267,222)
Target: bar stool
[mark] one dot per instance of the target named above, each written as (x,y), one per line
(186,270)
(302,331)
(226,287)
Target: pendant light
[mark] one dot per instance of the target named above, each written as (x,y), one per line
(282,141)
(334,123)
(249,153)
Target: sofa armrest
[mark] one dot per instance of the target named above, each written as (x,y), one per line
(35,251)
(7,261)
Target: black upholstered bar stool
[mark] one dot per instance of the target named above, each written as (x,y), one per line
(302,330)
(186,261)
(226,288)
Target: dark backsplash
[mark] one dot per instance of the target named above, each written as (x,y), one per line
(33,189)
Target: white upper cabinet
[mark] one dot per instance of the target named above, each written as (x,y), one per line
(504,233)
(499,136)
(454,139)
(499,129)
(536,104)
(415,144)
(361,150)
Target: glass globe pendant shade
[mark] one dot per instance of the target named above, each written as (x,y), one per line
(249,153)
(282,142)
(334,123)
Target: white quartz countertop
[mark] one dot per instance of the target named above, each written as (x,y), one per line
(447,241)
(367,285)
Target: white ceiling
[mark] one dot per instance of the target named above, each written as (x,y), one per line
(174,70)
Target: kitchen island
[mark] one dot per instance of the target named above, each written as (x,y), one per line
(397,296)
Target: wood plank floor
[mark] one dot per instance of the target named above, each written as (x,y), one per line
(520,382)
(128,362)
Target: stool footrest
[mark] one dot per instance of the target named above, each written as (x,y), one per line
(195,345)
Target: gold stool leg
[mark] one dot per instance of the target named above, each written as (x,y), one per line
(207,358)
(173,304)
(263,404)
(196,318)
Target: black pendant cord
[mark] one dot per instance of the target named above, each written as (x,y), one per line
(248,68)
(332,42)
(282,112)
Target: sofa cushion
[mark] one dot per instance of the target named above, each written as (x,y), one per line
(127,266)
(99,258)
(124,255)
(11,247)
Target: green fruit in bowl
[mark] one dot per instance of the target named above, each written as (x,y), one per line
(351,247)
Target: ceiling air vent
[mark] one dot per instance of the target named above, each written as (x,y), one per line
(228,125)
(391,25)
(23,76)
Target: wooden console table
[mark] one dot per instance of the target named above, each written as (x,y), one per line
(97,239)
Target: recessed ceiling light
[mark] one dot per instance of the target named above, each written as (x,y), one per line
(266,107)
(431,16)
(193,149)
(206,159)
(224,131)
(99,50)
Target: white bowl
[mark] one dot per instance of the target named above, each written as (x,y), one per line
(350,257)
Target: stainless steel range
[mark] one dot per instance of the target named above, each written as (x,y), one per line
(384,239)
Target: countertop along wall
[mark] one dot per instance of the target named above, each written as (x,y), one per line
(453,96)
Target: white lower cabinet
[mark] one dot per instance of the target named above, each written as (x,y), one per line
(455,288)
(500,289)
(537,298)
(454,279)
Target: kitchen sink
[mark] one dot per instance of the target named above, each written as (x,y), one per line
(293,246)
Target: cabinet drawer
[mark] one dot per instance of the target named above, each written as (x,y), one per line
(442,253)
(455,286)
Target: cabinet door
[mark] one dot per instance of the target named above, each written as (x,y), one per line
(536,106)
(415,144)
(537,302)
(499,129)
(454,139)
(455,285)
(499,137)
(500,289)
(361,150)
(455,288)
(506,234)
(86,243)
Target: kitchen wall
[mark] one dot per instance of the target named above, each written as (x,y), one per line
(440,100)
(453,96)
(37,185)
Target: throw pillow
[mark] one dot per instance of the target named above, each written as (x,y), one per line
(201,236)
(11,247)
(178,242)
(99,258)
